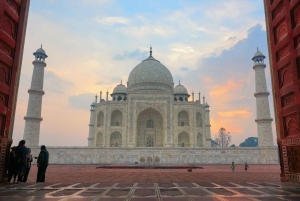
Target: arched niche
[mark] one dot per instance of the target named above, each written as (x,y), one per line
(99,139)
(100,119)
(149,128)
(199,120)
(116,118)
(199,140)
(183,139)
(183,118)
(115,139)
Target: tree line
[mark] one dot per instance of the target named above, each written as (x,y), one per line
(223,139)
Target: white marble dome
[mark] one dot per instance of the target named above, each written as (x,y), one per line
(120,89)
(180,89)
(150,74)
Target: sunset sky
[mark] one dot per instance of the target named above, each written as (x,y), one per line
(94,44)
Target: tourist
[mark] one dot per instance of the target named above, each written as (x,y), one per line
(21,152)
(246,167)
(12,165)
(29,159)
(232,166)
(42,164)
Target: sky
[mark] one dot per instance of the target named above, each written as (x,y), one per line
(94,44)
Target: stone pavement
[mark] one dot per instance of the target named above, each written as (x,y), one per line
(213,183)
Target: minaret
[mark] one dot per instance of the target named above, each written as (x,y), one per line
(263,120)
(207,126)
(33,117)
(91,126)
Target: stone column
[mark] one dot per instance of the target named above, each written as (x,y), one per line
(33,116)
(92,126)
(263,120)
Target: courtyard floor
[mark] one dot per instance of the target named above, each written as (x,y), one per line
(212,183)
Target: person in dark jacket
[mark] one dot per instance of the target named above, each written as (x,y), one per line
(21,152)
(12,165)
(42,164)
(29,159)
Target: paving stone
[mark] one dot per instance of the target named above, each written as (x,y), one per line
(65,192)
(195,191)
(144,192)
(91,192)
(220,191)
(118,192)
(175,199)
(143,199)
(170,192)
(238,199)
(206,184)
(247,191)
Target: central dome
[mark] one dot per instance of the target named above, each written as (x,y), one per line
(150,74)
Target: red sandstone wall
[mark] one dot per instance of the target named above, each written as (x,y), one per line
(283,29)
(13,21)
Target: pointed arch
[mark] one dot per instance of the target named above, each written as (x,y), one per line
(150,131)
(183,118)
(99,140)
(115,139)
(183,139)
(100,119)
(199,120)
(116,118)
(199,140)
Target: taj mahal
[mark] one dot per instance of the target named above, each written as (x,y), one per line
(149,112)
(151,121)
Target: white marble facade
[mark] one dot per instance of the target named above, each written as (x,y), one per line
(149,112)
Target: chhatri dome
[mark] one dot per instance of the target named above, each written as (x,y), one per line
(120,89)
(150,74)
(180,90)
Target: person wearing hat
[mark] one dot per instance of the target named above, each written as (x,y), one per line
(42,164)
(12,165)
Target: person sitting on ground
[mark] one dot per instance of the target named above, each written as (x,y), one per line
(232,166)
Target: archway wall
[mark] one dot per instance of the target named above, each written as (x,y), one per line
(150,130)
(194,116)
(162,103)
(113,112)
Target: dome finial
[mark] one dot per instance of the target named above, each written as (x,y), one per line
(257,49)
(150,51)
(41,45)
(179,82)
(121,81)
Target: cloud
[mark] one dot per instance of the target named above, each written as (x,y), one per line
(55,82)
(82,101)
(113,20)
(184,69)
(136,55)
(236,113)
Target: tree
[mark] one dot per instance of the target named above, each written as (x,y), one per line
(223,139)
(214,143)
(233,145)
(250,142)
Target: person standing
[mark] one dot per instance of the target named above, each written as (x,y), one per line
(232,166)
(42,164)
(246,167)
(12,165)
(29,159)
(21,152)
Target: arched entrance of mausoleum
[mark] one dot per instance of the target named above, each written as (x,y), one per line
(149,129)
